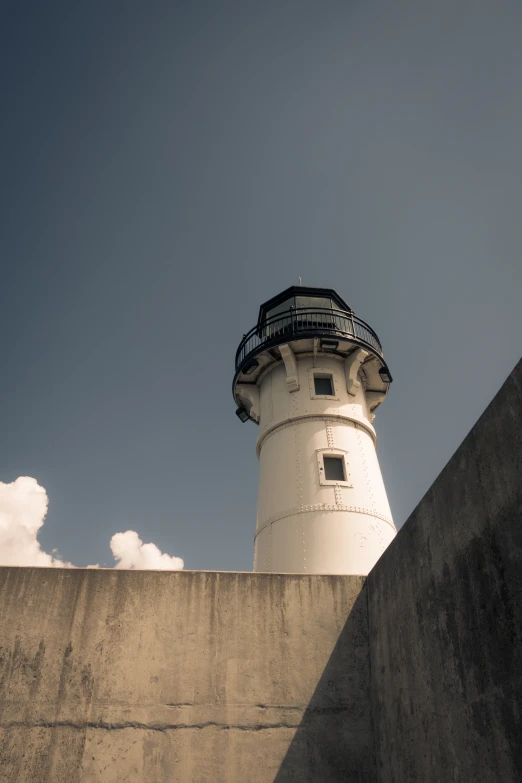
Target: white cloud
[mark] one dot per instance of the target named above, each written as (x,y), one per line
(23,506)
(130,552)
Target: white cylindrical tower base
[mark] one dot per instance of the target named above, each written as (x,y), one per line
(323,542)
(322,505)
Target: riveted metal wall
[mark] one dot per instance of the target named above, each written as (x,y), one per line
(305,524)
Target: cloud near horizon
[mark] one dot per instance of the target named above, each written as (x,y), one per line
(23,507)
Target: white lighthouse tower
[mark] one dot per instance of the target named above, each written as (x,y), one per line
(311,375)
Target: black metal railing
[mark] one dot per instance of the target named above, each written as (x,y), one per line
(300,323)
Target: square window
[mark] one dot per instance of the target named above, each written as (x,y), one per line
(323,385)
(334,468)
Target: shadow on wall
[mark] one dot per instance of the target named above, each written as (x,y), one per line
(334,741)
(446,651)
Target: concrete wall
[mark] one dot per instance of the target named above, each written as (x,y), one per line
(185,676)
(446,620)
(201,676)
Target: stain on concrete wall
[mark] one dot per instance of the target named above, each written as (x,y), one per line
(446,620)
(190,676)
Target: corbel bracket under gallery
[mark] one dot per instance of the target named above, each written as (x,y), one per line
(374,399)
(248,393)
(352,364)
(292,378)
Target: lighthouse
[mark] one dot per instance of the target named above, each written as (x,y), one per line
(311,375)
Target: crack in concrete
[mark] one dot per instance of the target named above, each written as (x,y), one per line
(161,727)
(184,704)
(307,710)
(239,705)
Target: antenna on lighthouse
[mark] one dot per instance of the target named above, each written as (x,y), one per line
(300,282)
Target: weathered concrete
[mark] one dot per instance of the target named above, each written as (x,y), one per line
(446,619)
(207,677)
(185,676)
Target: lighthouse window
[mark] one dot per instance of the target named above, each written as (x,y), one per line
(314,302)
(282,307)
(323,385)
(334,468)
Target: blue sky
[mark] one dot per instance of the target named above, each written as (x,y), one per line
(168,166)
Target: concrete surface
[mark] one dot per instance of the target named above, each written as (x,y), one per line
(412,676)
(183,676)
(446,618)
